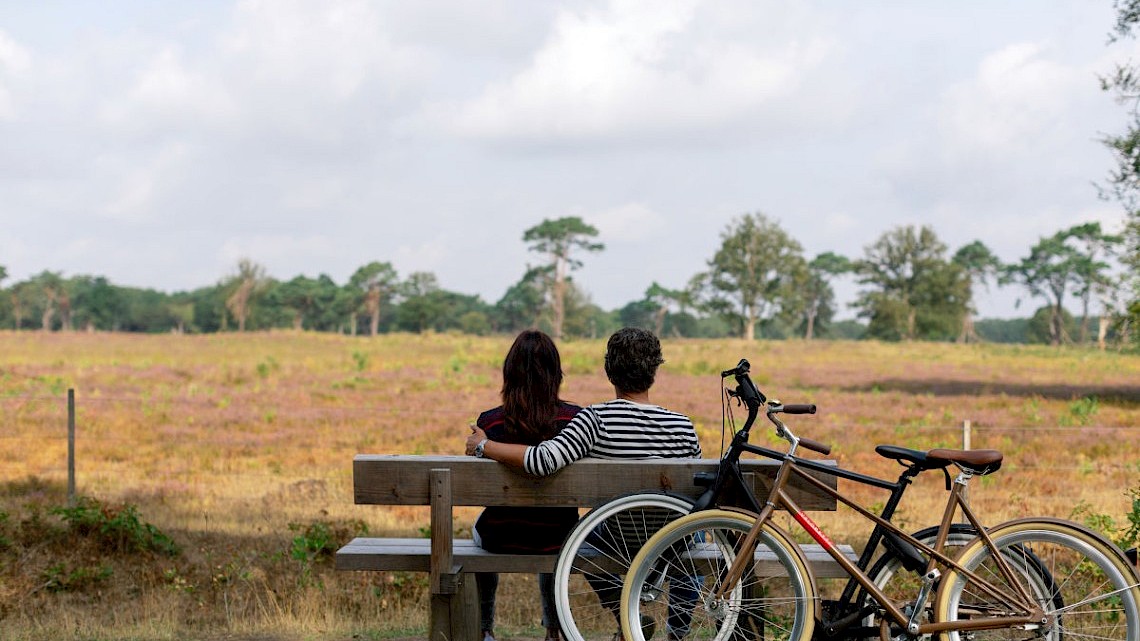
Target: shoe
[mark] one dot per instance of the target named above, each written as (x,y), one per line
(553,634)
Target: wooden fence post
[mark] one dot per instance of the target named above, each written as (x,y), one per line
(965,435)
(71,447)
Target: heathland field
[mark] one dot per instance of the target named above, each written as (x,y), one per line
(218,468)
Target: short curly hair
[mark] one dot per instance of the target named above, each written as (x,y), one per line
(632,357)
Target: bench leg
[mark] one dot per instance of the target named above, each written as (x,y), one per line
(455,617)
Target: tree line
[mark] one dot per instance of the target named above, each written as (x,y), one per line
(758,282)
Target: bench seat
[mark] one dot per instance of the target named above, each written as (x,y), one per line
(414,555)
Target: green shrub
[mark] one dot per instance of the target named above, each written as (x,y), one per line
(117,527)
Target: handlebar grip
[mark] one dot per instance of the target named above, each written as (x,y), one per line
(808,408)
(815,446)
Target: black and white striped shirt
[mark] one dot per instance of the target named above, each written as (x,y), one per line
(617,429)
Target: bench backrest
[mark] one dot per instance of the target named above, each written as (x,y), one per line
(404,480)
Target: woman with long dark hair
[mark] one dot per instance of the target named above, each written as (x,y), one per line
(531,413)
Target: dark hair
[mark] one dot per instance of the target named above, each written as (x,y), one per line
(532,375)
(632,358)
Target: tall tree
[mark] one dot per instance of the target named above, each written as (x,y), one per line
(1124,179)
(522,304)
(299,295)
(749,276)
(815,291)
(1048,271)
(980,266)
(377,281)
(661,299)
(915,292)
(243,289)
(422,306)
(1092,271)
(558,239)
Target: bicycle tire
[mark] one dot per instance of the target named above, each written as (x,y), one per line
(777,603)
(1095,592)
(596,548)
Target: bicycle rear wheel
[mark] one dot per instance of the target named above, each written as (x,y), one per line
(671,586)
(1092,592)
(596,556)
(902,585)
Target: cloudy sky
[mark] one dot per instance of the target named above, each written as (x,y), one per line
(157,143)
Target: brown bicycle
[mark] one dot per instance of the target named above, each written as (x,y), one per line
(744,577)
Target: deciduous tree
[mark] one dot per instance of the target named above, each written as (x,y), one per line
(377,282)
(243,288)
(749,276)
(980,266)
(815,292)
(915,292)
(559,239)
(1049,271)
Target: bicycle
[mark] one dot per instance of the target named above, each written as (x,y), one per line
(597,554)
(1029,578)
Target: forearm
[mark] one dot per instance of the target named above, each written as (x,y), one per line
(507,453)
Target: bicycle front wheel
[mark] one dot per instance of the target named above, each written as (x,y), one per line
(596,556)
(672,585)
(1092,592)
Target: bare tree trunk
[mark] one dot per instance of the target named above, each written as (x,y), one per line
(298,321)
(557,303)
(750,325)
(810,333)
(659,321)
(1102,330)
(911,322)
(968,335)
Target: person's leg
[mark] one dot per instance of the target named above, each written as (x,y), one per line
(682,600)
(487,584)
(549,608)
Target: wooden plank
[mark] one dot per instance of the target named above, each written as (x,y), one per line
(402,480)
(414,555)
(441,530)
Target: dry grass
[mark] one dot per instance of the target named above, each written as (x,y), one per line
(224,441)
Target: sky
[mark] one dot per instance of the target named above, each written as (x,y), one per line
(159,143)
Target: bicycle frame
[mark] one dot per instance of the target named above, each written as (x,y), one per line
(791,465)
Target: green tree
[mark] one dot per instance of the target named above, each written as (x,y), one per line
(1092,271)
(980,266)
(422,305)
(915,292)
(243,289)
(815,292)
(1049,270)
(559,239)
(751,274)
(522,304)
(1124,179)
(377,282)
(98,304)
(300,295)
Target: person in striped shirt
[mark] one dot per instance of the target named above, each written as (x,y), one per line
(627,427)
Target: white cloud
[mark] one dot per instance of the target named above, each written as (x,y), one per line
(636,69)
(631,223)
(1018,94)
(15,61)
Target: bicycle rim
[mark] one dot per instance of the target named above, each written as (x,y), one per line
(1091,594)
(596,556)
(670,589)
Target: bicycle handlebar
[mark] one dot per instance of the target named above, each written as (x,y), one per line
(800,409)
(747,391)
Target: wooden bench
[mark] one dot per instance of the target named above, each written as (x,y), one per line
(443,482)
